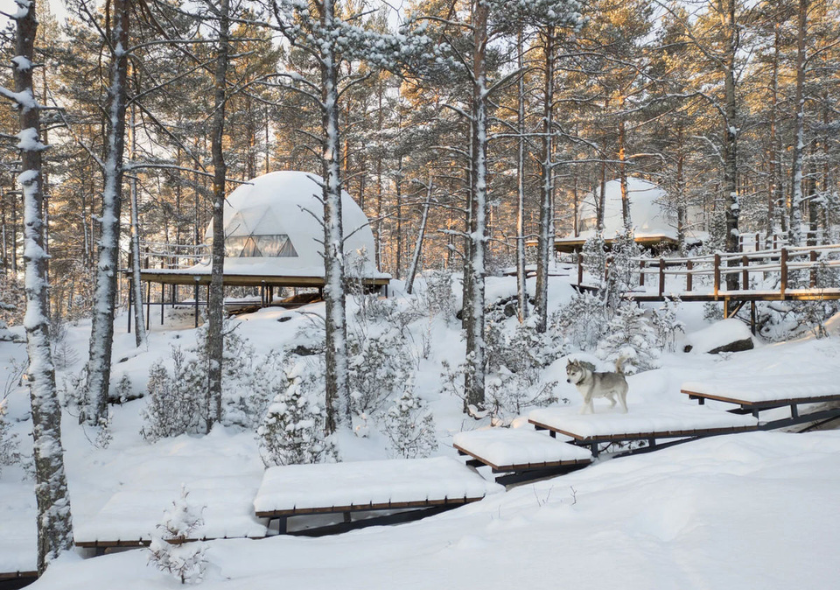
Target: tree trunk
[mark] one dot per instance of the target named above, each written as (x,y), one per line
(418,247)
(796,196)
(55,526)
(476,349)
(337,393)
(136,284)
(730,143)
(521,287)
(216,299)
(102,330)
(545,238)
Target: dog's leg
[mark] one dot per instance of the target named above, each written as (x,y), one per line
(611,396)
(622,396)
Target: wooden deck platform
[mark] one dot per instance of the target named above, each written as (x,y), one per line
(421,486)
(642,423)
(755,394)
(520,454)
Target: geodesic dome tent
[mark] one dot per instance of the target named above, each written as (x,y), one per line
(273,225)
(274,234)
(653,223)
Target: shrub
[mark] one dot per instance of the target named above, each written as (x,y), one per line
(185,561)
(410,427)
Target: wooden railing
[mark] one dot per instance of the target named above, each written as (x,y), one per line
(719,266)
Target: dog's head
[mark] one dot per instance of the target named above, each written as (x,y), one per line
(574,372)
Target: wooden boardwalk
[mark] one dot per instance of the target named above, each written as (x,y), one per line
(704,278)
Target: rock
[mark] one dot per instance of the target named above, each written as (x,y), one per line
(724,336)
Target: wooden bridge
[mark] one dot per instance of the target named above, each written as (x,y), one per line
(795,272)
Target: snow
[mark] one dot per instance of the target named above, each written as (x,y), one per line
(517,446)
(718,334)
(740,511)
(359,483)
(762,388)
(641,419)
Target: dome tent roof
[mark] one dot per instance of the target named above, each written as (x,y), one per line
(647,210)
(273,225)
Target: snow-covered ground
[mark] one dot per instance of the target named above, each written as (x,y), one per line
(740,511)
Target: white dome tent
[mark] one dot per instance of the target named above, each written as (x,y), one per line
(273,227)
(653,224)
(274,238)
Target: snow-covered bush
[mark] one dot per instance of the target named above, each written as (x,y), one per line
(9,454)
(293,430)
(176,403)
(666,324)
(583,321)
(623,271)
(515,360)
(438,296)
(123,392)
(379,366)
(185,561)
(410,427)
(63,353)
(630,337)
(595,257)
(104,436)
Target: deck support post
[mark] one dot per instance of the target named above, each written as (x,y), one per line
(148,303)
(661,277)
(195,302)
(794,411)
(689,266)
(752,317)
(745,279)
(130,301)
(162,300)
(717,274)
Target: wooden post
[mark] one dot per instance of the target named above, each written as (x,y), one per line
(641,273)
(661,277)
(745,274)
(726,308)
(757,242)
(130,298)
(784,275)
(689,282)
(195,302)
(717,274)
(752,317)
(813,259)
(148,303)
(580,268)
(607,270)
(162,299)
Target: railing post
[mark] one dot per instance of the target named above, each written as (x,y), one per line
(757,242)
(783,258)
(717,274)
(641,273)
(813,259)
(661,276)
(689,266)
(745,276)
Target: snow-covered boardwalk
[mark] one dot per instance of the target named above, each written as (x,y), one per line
(756,393)
(438,483)
(523,452)
(642,422)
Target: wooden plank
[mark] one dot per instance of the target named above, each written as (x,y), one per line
(618,437)
(371,506)
(523,466)
(145,542)
(184,278)
(765,404)
(16,575)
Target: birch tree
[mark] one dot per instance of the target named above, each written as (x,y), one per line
(55,527)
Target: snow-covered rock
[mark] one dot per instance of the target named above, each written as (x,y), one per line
(724,336)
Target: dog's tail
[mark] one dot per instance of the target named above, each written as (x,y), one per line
(619,364)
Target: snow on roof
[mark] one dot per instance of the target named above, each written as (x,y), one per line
(647,213)
(273,228)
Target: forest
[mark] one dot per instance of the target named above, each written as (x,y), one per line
(473,129)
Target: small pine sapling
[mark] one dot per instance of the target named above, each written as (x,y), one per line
(630,337)
(292,431)
(9,454)
(410,427)
(595,258)
(667,325)
(124,392)
(168,550)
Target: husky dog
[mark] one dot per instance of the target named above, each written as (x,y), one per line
(591,385)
